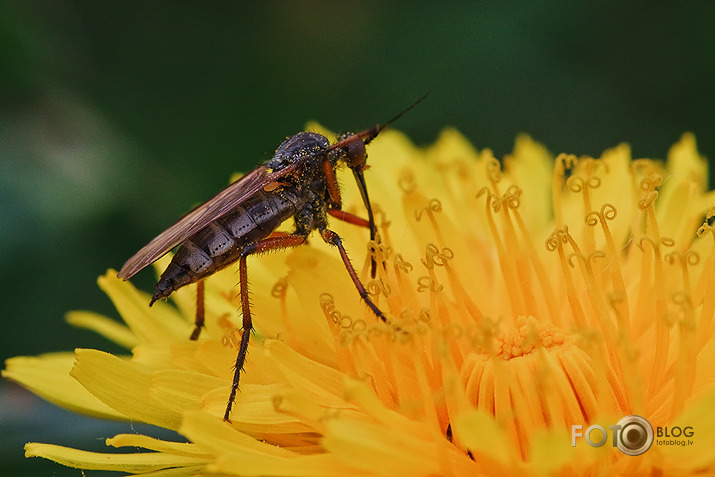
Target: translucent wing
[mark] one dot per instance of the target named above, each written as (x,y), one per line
(201,216)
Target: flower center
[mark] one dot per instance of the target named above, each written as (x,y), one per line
(528,335)
(534,377)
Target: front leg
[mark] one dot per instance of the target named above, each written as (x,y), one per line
(334,239)
(336,204)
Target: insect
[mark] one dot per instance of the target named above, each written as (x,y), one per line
(298,182)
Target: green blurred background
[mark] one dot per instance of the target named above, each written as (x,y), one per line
(117,117)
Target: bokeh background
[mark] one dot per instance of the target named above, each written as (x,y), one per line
(117,117)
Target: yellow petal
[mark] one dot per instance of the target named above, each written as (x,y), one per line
(131,463)
(158,445)
(48,376)
(122,386)
(158,324)
(104,326)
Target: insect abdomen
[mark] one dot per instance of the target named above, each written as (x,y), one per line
(221,242)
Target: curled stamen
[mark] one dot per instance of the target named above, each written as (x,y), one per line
(326,299)
(279,288)
(510,201)
(691,257)
(379,213)
(577,183)
(327,303)
(232,338)
(552,242)
(434,205)
(648,200)
(425,283)
(488,192)
(557,237)
(378,251)
(376,287)
(401,264)
(665,241)
(416,324)
(651,183)
(514,190)
(436,257)
(705,228)
(607,213)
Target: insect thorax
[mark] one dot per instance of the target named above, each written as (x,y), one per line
(302,146)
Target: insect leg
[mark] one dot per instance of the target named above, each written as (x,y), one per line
(265,245)
(360,222)
(199,310)
(334,239)
(336,202)
(333,187)
(349,218)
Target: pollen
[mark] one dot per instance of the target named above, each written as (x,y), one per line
(523,340)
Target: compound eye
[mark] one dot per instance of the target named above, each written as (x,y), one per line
(355,152)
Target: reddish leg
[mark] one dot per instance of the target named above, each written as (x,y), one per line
(265,245)
(333,187)
(349,218)
(199,310)
(359,221)
(336,202)
(334,239)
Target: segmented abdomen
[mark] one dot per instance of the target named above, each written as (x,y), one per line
(221,242)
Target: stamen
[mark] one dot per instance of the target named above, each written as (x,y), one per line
(433,206)
(562,164)
(685,365)
(555,242)
(541,275)
(662,334)
(579,184)
(510,201)
(608,213)
(510,282)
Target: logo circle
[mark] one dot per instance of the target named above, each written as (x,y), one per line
(636,435)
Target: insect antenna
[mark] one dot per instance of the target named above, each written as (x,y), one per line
(353,146)
(371,134)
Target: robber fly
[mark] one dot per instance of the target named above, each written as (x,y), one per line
(298,182)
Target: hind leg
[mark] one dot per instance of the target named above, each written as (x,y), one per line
(271,243)
(199,323)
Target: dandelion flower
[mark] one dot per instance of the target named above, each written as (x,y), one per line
(524,296)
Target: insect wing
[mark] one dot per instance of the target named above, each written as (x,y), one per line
(201,216)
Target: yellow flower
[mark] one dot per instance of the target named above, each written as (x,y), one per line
(525,297)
